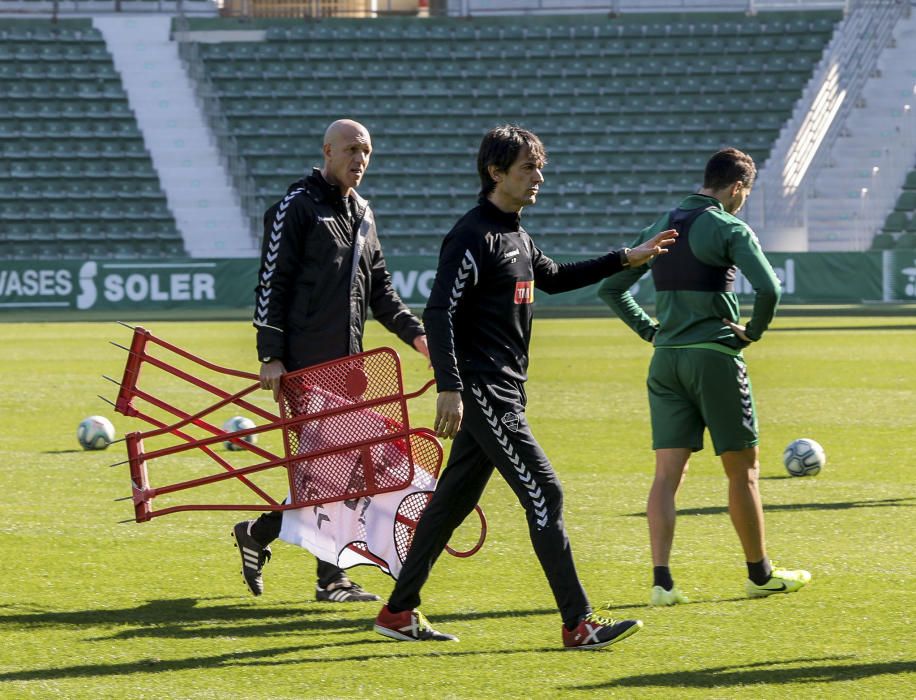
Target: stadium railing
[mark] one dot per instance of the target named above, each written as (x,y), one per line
(313,9)
(77,8)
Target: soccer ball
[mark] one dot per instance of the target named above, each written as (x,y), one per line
(239,423)
(804,457)
(95,433)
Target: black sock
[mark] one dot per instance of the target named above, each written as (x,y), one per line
(266,528)
(394,609)
(759,571)
(661,576)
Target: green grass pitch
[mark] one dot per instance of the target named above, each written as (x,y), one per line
(90,608)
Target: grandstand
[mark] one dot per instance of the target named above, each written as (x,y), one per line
(75,177)
(629,104)
(900,228)
(629,108)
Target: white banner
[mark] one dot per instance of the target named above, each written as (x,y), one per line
(365,530)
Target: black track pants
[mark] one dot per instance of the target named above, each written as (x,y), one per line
(494,433)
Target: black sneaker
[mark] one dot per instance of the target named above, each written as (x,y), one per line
(343,590)
(254,556)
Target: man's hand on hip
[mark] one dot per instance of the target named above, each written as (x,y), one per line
(738,330)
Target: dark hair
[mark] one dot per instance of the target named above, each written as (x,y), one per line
(728,166)
(500,147)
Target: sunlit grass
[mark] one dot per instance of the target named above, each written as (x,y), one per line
(90,608)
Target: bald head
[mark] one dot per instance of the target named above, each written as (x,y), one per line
(347,147)
(344,129)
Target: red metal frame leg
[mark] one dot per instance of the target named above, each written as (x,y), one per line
(140,490)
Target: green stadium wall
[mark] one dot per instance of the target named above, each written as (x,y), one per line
(134,287)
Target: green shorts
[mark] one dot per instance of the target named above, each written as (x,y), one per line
(695,388)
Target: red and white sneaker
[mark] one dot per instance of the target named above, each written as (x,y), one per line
(408,626)
(596,630)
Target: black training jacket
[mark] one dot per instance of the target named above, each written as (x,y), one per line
(311,301)
(478,317)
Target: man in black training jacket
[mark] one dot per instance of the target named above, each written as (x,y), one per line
(479,323)
(321,270)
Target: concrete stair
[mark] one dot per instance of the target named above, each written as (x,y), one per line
(197,187)
(856,189)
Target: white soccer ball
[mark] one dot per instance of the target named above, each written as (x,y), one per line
(804,457)
(95,433)
(237,423)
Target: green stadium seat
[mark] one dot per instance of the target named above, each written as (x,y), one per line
(906,202)
(896,222)
(906,241)
(883,241)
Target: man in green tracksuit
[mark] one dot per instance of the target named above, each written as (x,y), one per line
(697,377)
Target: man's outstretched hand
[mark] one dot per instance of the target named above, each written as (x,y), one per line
(657,245)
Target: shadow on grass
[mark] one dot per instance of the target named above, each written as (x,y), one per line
(154,612)
(764,673)
(185,618)
(182,618)
(60,452)
(838,505)
(261,658)
(715,677)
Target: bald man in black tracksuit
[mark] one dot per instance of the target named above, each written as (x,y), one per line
(478,322)
(321,272)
